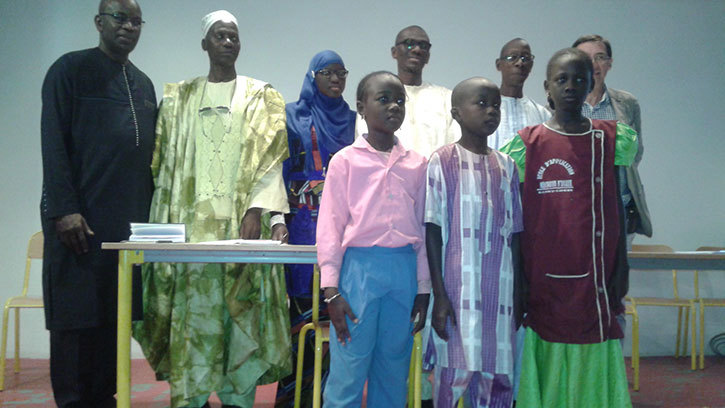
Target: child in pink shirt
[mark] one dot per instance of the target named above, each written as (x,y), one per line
(371,252)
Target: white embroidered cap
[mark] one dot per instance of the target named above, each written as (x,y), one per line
(213,17)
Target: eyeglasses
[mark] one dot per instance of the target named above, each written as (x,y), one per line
(123,18)
(410,44)
(601,58)
(340,73)
(516,57)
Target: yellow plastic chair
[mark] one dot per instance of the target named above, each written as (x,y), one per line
(415,372)
(35,251)
(631,309)
(686,306)
(705,302)
(416,368)
(322,334)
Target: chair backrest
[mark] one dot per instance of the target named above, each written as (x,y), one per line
(35,251)
(711,248)
(664,249)
(697,277)
(651,248)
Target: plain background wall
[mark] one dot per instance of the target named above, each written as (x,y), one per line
(669,54)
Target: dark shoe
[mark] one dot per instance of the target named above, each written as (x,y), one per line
(206,405)
(426,404)
(230,406)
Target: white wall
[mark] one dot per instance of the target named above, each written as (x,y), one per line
(669,54)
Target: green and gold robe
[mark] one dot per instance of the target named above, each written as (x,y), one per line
(209,326)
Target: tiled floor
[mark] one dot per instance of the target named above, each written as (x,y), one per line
(664,382)
(31,388)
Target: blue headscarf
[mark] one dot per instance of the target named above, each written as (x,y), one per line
(333,120)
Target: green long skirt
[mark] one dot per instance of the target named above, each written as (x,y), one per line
(560,375)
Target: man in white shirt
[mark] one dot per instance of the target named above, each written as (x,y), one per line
(428,124)
(517,110)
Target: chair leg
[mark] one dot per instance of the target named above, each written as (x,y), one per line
(317,387)
(687,312)
(16,364)
(634,322)
(300,364)
(418,353)
(693,351)
(702,334)
(635,350)
(415,373)
(411,379)
(4,348)
(679,331)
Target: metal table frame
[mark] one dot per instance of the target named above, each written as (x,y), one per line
(134,253)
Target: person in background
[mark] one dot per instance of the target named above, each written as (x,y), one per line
(612,104)
(428,123)
(217,167)
(517,110)
(318,125)
(97,137)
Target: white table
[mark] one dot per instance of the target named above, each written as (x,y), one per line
(681,260)
(133,253)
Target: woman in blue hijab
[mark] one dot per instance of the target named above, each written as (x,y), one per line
(318,125)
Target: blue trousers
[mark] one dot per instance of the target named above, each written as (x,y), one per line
(380,285)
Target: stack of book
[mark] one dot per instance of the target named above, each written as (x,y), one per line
(149,232)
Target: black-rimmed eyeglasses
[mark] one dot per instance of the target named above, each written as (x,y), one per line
(327,73)
(123,18)
(410,44)
(516,57)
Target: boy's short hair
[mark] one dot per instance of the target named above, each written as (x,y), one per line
(456,93)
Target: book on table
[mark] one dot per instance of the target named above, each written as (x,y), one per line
(152,232)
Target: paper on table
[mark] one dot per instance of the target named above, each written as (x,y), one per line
(250,242)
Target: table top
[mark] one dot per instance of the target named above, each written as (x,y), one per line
(682,260)
(679,255)
(219,252)
(201,246)
(284,253)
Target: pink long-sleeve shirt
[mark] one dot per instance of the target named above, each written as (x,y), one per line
(370,200)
